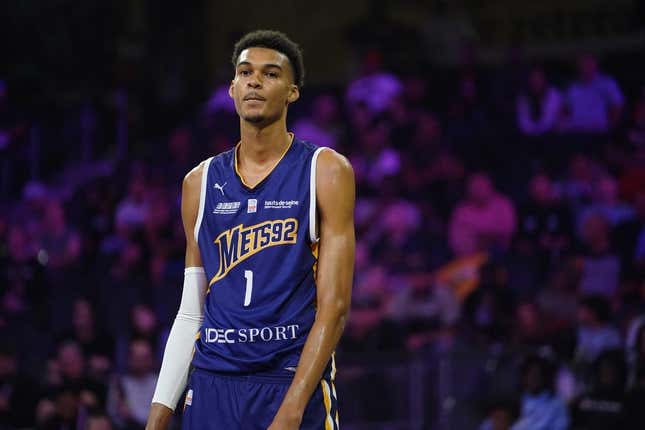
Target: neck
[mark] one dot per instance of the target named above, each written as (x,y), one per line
(261,143)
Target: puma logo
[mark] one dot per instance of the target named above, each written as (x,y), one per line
(220,187)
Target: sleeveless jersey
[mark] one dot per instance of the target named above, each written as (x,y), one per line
(259,250)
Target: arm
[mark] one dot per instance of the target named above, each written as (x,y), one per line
(178,353)
(335,191)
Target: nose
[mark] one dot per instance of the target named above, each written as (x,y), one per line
(254,81)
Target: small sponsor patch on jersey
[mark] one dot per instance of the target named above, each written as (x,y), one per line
(189,398)
(252,206)
(280,204)
(226,208)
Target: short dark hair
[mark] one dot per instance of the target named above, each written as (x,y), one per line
(277,41)
(599,306)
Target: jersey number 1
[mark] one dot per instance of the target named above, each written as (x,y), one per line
(248,274)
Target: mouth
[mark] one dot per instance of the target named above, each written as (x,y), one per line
(254,97)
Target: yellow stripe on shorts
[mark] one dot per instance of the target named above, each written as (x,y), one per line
(329,422)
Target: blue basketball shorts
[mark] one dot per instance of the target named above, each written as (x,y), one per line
(216,401)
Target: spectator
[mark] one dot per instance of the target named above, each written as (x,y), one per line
(490,307)
(376,88)
(635,346)
(636,130)
(485,220)
(630,240)
(595,332)
(377,160)
(501,416)
(576,187)
(60,242)
(130,394)
(97,345)
(143,324)
(598,264)
(398,245)
(541,409)
(558,302)
(98,421)
(603,406)
(18,393)
(119,290)
(594,102)
(132,210)
(322,126)
(606,202)
(539,106)
(545,225)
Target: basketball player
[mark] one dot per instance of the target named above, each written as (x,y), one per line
(269,262)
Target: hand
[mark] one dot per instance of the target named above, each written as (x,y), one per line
(285,421)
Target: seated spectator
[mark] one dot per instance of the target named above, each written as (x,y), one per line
(485,220)
(529,330)
(539,106)
(18,393)
(133,208)
(501,416)
(541,409)
(635,347)
(59,240)
(635,399)
(489,308)
(119,290)
(545,227)
(322,127)
(597,262)
(375,159)
(576,187)
(629,237)
(130,394)
(97,345)
(376,88)
(371,330)
(98,421)
(143,324)
(558,302)
(595,331)
(594,102)
(606,202)
(636,130)
(603,406)
(399,244)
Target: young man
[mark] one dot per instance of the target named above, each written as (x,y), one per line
(269,262)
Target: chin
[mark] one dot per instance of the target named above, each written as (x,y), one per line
(254,119)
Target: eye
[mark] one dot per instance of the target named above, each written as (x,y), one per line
(271,74)
(244,72)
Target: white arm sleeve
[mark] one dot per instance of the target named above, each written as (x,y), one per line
(181,340)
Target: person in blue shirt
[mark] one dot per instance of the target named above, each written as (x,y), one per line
(541,408)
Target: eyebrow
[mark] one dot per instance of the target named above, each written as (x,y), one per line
(247,63)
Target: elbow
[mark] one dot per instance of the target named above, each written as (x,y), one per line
(337,309)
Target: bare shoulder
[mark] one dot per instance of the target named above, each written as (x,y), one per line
(333,167)
(193,179)
(190,192)
(335,186)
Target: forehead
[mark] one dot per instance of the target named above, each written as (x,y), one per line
(261,56)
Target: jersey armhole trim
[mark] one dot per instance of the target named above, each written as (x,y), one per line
(313,230)
(202,199)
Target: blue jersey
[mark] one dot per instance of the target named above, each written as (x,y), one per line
(259,250)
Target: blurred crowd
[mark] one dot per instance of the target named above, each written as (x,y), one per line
(500,221)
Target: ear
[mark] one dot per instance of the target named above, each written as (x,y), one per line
(294,94)
(230,90)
